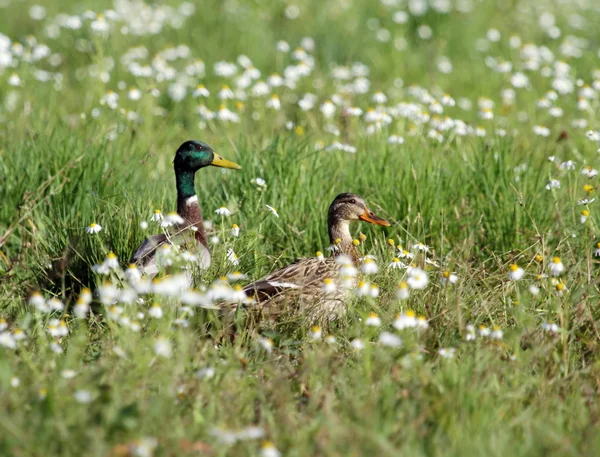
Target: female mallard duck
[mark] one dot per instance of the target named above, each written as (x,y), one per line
(189,158)
(310,284)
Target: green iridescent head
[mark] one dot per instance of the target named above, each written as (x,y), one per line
(193,155)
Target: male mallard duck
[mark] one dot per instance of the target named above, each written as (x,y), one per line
(310,284)
(189,158)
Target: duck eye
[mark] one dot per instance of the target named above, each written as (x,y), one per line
(353,201)
(199,147)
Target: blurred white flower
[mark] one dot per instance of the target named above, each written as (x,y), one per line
(93,228)
(163,348)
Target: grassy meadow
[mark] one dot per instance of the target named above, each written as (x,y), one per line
(470,125)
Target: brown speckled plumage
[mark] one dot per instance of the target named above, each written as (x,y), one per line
(298,287)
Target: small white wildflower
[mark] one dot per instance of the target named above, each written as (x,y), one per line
(402,292)
(357,344)
(7,340)
(417,279)
(81,308)
(449,278)
(373,320)
(471,335)
(515,273)
(93,228)
(232,257)
(163,348)
(550,328)
(68,374)
(174,219)
(259,182)
(206,373)
(155,311)
(266,344)
(534,290)
(157,216)
(556,267)
(496,333)
(396,264)
(222,211)
(329,286)
(484,331)
(315,333)
(268,449)
(390,340)
(37,301)
(405,320)
(447,353)
(272,210)
(368,266)
(83,396)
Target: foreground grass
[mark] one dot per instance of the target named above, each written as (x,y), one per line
(479,202)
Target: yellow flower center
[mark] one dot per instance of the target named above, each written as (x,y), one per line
(556,260)
(588,188)
(514,267)
(560,287)
(391,242)
(355,242)
(410,313)
(585,213)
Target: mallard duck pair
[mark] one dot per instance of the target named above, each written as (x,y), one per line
(309,283)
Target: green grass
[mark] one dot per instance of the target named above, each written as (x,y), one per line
(61,168)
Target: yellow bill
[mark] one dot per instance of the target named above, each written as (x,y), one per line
(219,161)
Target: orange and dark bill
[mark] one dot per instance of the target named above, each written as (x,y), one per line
(369,216)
